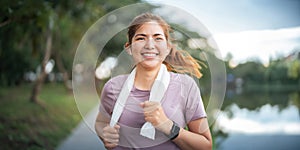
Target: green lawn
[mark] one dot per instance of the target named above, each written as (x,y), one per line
(25,125)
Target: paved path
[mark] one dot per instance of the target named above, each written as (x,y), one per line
(83,136)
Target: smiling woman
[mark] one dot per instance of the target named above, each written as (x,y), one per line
(176,60)
(149,45)
(150,107)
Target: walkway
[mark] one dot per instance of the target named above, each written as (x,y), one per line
(83,136)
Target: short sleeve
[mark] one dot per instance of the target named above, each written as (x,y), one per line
(107,101)
(110,93)
(194,106)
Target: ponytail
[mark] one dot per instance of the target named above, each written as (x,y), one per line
(182,62)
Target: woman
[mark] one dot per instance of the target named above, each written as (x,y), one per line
(150,107)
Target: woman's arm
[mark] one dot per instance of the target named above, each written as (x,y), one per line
(198,137)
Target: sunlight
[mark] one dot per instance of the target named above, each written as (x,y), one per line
(104,69)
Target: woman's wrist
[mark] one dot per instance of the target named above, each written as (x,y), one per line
(166,127)
(174,132)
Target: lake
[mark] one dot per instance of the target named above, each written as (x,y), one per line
(258,119)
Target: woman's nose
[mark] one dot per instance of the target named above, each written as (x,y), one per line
(149,44)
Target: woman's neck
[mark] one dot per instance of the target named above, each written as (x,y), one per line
(144,79)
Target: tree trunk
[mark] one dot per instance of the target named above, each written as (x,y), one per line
(5,22)
(41,77)
(62,69)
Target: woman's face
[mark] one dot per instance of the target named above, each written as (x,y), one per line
(149,46)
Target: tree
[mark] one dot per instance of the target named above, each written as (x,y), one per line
(293,65)
(41,77)
(34,31)
(20,33)
(250,71)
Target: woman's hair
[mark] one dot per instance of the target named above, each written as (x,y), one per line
(178,60)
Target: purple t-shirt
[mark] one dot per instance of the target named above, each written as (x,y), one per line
(182,103)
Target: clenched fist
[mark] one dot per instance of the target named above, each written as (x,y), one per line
(110,136)
(155,114)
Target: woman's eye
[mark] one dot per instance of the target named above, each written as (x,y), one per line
(139,39)
(158,39)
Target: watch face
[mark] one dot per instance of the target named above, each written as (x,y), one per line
(174,131)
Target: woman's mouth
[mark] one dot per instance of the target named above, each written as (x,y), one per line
(149,55)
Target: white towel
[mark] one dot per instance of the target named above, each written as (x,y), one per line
(157,92)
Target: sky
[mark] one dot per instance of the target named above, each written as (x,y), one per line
(248,29)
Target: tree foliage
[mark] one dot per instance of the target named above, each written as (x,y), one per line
(282,71)
(23,30)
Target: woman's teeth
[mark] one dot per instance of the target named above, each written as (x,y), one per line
(149,55)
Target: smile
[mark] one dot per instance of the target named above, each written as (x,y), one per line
(150,54)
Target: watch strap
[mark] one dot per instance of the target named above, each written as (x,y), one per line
(174,131)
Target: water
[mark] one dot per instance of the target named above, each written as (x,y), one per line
(258,120)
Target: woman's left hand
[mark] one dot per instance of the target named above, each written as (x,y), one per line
(155,114)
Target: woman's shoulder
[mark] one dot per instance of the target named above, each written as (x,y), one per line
(182,78)
(118,78)
(116,82)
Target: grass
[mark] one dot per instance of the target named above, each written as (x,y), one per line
(25,125)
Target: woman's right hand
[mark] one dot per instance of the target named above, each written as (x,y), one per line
(110,136)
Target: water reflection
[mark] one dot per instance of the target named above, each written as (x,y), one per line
(249,115)
(265,120)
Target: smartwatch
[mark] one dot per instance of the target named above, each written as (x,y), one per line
(174,131)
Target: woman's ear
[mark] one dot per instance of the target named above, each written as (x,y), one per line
(127,48)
